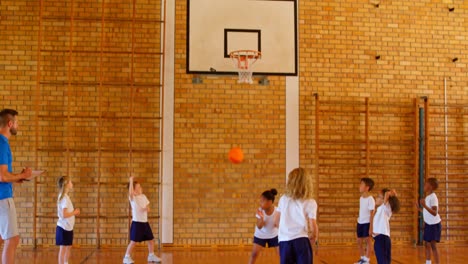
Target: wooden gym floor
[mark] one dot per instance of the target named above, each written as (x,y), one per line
(453,254)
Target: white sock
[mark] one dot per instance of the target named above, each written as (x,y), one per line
(365,258)
(127,256)
(151,254)
(428,262)
(362,257)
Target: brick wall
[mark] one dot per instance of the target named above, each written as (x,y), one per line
(339,42)
(85,77)
(82,103)
(18,53)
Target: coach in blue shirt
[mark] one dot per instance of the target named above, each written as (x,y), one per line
(8,221)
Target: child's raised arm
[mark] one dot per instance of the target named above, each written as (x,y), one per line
(130,188)
(389,194)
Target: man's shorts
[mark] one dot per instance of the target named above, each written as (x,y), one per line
(8,220)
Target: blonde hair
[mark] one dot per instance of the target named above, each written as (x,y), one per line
(298,186)
(62,183)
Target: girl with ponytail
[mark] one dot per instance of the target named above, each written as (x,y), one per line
(66,214)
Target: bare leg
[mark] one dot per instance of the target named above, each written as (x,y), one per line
(9,250)
(67,253)
(255,253)
(361,247)
(61,255)
(435,252)
(151,246)
(369,247)
(130,248)
(428,250)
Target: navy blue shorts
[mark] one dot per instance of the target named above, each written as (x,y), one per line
(296,251)
(140,232)
(432,232)
(383,249)
(63,237)
(362,230)
(272,242)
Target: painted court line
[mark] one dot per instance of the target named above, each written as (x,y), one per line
(87,257)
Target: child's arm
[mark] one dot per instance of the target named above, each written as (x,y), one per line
(388,194)
(277,219)
(314,230)
(419,207)
(371,226)
(260,221)
(144,205)
(66,214)
(432,210)
(130,188)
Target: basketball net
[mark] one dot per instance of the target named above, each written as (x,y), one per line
(244,60)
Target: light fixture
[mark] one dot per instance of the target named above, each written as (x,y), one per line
(264,81)
(197,79)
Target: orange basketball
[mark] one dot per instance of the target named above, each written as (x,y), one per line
(236,155)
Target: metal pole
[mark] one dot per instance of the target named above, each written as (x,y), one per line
(446,158)
(367,137)
(421,169)
(36,123)
(100,90)
(317,143)
(161,115)
(426,138)
(416,171)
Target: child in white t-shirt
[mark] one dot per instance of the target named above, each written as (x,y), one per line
(140,229)
(364,221)
(296,219)
(432,220)
(66,214)
(266,231)
(387,203)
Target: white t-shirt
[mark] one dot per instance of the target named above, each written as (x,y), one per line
(268,230)
(65,223)
(381,223)
(138,204)
(365,206)
(431,200)
(294,217)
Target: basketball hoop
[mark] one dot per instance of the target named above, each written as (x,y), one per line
(244,60)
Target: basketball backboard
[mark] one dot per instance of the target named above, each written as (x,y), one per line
(217,27)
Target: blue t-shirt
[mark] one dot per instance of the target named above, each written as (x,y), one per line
(6,188)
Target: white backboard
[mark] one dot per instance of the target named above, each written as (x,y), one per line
(217,27)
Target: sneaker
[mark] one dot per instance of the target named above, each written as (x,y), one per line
(128,260)
(360,261)
(154,258)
